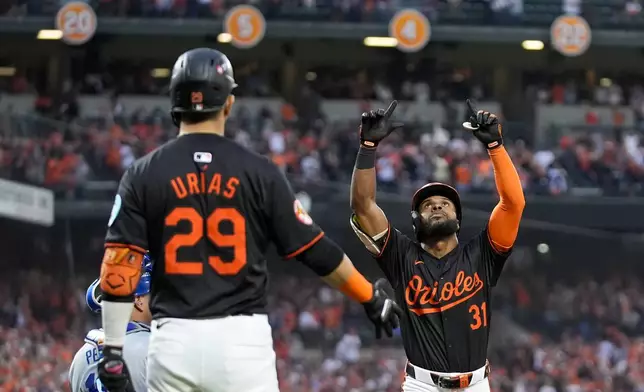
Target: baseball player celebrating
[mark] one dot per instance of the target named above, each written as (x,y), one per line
(83,374)
(208,209)
(445,284)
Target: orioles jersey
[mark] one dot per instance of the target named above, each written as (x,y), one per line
(207,210)
(83,372)
(446,327)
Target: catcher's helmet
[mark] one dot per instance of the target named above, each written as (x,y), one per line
(202,79)
(94,296)
(429,190)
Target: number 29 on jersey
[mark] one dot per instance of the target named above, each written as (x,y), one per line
(235,241)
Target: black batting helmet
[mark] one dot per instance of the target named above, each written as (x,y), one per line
(202,79)
(429,190)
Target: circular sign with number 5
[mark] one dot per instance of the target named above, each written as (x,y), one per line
(411,29)
(77,21)
(570,35)
(246,26)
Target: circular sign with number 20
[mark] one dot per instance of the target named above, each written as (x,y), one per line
(77,21)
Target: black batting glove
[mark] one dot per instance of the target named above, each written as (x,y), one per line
(485,126)
(113,372)
(375,125)
(383,312)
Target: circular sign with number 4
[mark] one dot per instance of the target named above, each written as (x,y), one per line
(570,35)
(77,21)
(246,26)
(411,29)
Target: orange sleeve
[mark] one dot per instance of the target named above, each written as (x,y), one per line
(357,287)
(504,222)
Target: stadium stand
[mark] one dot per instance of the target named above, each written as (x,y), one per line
(580,139)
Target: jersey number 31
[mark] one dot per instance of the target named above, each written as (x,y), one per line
(236,241)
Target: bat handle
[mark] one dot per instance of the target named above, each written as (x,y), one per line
(468,125)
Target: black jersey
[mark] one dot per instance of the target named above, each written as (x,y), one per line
(446,327)
(207,209)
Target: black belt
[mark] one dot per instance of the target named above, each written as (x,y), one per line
(454,382)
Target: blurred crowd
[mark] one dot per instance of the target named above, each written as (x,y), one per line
(324,343)
(65,155)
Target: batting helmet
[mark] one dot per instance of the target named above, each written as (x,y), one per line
(202,79)
(429,190)
(94,295)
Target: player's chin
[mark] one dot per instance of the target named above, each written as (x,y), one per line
(439,228)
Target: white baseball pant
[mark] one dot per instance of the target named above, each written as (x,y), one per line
(229,354)
(423,381)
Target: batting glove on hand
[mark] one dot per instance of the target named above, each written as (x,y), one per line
(112,370)
(383,312)
(485,126)
(375,125)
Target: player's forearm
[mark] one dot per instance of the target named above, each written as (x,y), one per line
(503,226)
(508,183)
(120,274)
(329,262)
(115,315)
(368,217)
(363,181)
(350,281)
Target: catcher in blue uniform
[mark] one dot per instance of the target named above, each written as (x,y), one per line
(83,373)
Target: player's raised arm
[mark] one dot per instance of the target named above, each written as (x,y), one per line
(368,220)
(297,236)
(125,245)
(503,226)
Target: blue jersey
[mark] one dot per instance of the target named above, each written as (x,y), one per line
(83,373)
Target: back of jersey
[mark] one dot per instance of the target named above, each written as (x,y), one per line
(209,209)
(83,372)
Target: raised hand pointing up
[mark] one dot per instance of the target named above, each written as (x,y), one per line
(375,125)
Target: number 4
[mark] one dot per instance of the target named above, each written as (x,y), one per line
(409,30)
(479,314)
(236,241)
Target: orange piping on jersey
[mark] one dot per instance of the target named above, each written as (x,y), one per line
(305,247)
(357,287)
(119,245)
(503,226)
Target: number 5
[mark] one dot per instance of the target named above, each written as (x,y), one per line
(245,25)
(236,241)
(476,312)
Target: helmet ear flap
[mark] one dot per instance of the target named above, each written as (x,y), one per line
(416,222)
(176,119)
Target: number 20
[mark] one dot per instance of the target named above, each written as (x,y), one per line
(78,22)
(236,241)
(479,314)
